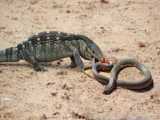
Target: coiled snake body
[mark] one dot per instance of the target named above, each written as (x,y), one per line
(112,82)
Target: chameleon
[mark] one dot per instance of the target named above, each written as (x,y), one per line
(45,47)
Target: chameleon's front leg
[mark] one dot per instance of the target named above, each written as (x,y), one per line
(77,61)
(73,63)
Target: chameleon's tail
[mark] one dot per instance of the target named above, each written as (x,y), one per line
(9,55)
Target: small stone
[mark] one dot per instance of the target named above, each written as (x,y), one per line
(152,96)
(62,73)
(54,93)
(14,18)
(102,28)
(141,44)
(33,2)
(66,87)
(105,1)
(2,28)
(68,11)
(80,116)
(58,106)
(110,109)
(66,96)
(9,32)
(116,50)
(50,83)
(123,118)
(44,117)
(56,113)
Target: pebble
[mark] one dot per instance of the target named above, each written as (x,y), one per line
(62,73)
(54,93)
(105,1)
(68,11)
(141,44)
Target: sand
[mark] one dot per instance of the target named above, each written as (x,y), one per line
(122,29)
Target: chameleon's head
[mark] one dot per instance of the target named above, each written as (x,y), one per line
(90,51)
(93,51)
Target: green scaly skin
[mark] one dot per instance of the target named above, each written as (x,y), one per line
(50,46)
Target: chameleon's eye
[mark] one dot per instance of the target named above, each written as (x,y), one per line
(93,52)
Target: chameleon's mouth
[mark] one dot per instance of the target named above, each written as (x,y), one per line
(96,58)
(105,60)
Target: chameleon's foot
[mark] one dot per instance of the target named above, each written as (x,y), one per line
(72,65)
(44,64)
(80,69)
(39,69)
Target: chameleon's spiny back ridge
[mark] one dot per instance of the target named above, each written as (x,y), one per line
(53,37)
(46,37)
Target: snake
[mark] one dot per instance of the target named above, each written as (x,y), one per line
(112,82)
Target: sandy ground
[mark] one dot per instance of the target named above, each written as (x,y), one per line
(122,28)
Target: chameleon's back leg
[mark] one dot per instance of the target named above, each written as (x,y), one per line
(29,57)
